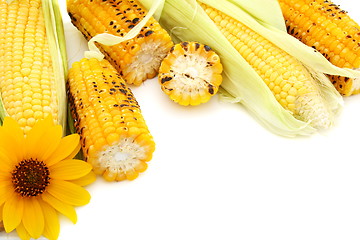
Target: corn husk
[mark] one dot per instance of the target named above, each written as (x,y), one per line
(186,21)
(57,45)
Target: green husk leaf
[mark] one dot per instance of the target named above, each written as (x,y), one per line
(3,112)
(186,20)
(61,34)
(56,40)
(110,40)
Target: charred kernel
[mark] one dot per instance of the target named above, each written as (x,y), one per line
(72,17)
(211,89)
(131,26)
(207,48)
(148,33)
(185,44)
(135,20)
(165,79)
(197,45)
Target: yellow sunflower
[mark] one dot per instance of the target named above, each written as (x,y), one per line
(40,179)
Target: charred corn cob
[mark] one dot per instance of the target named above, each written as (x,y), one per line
(114,136)
(32,85)
(191,73)
(322,25)
(137,59)
(291,83)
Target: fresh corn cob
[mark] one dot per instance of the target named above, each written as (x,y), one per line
(191,73)
(322,25)
(137,59)
(114,136)
(291,83)
(32,81)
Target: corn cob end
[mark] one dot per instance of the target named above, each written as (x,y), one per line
(114,135)
(136,59)
(124,159)
(191,73)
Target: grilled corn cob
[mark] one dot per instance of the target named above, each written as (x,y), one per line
(322,25)
(291,83)
(191,73)
(114,136)
(31,82)
(137,59)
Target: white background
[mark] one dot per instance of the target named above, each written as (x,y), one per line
(218,174)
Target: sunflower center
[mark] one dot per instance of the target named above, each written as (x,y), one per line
(30,177)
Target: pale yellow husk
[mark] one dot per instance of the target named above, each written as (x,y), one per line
(186,21)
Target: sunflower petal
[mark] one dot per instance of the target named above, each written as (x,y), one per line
(12,128)
(85,180)
(1,218)
(11,146)
(46,144)
(15,136)
(33,217)
(6,191)
(13,212)
(69,169)
(69,146)
(35,137)
(52,224)
(6,163)
(63,208)
(50,142)
(5,177)
(22,233)
(68,192)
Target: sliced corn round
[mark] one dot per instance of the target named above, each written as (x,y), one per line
(191,73)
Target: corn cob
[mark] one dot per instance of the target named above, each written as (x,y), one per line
(291,83)
(322,25)
(191,73)
(137,59)
(114,136)
(30,84)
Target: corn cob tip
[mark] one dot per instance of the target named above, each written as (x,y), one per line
(329,29)
(114,137)
(355,86)
(136,59)
(294,86)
